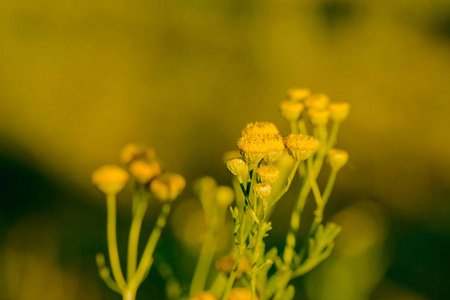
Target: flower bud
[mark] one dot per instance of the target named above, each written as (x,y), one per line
(236,165)
(319,101)
(267,174)
(167,187)
(132,151)
(145,171)
(224,196)
(291,110)
(110,179)
(262,190)
(339,111)
(298,94)
(300,146)
(337,159)
(319,116)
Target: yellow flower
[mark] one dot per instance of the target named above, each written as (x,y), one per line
(267,174)
(224,196)
(260,128)
(319,101)
(339,111)
(145,171)
(110,179)
(290,110)
(300,146)
(319,116)
(298,94)
(167,187)
(241,294)
(262,190)
(236,166)
(132,151)
(226,263)
(337,158)
(254,147)
(205,295)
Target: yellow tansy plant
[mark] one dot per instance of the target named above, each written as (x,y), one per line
(314,124)
(149,182)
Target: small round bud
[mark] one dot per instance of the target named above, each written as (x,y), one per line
(236,166)
(291,110)
(224,196)
(205,295)
(262,190)
(339,111)
(241,294)
(337,159)
(110,179)
(167,187)
(226,263)
(267,174)
(319,116)
(132,151)
(145,171)
(319,101)
(298,94)
(300,146)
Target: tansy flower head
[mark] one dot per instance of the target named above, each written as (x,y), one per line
(319,116)
(290,110)
(236,165)
(337,158)
(300,146)
(110,179)
(262,128)
(132,151)
(145,171)
(205,295)
(267,174)
(262,190)
(254,147)
(319,101)
(298,94)
(167,187)
(339,111)
(240,294)
(226,263)
(224,196)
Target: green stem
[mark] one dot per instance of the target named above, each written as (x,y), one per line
(333,135)
(112,241)
(302,126)
(232,277)
(294,127)
(147,257)
(286,186)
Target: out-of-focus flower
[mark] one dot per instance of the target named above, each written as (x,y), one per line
(132,151)
(300,146)
(319,101)
(205,295)
(167,187)
(319,116)
(145,171)
(241,294)
(339,111)
(337,158)
(224,196)
(291,110)
(297,94)
(226,263)
(110,179)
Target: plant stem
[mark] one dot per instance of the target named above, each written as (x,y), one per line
(112,241)
(286,186)
(232,276)
(133,240)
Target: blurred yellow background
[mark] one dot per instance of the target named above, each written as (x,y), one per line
(79,80)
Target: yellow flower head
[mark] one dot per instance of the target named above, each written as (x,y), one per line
(291,110)
(224,196)
(262,190)
(339,111)
(240,294)
(145,171)
(298,94)
(267,174)
(110,179)
(260,128)
(319,101)
(236,165)
(337,158)
(319,116)
(132,151)
(205,295)
(226,263)
(167,187)
(254,147)
(300,146)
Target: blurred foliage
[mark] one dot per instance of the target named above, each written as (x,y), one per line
(78,80)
